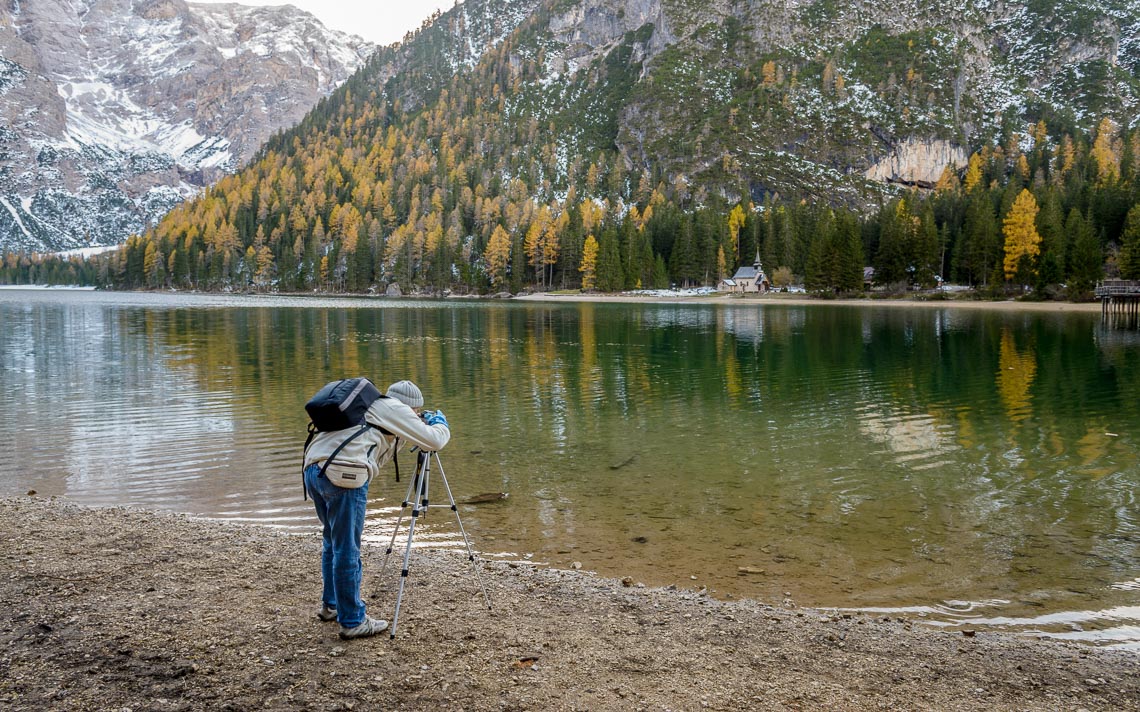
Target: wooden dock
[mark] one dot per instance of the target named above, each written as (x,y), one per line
(1120,302)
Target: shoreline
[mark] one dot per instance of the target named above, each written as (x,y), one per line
(771,299)
(112,608)
(1009,305)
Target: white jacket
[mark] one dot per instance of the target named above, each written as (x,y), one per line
(361,460)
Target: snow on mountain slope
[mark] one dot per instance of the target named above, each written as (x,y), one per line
(112,111)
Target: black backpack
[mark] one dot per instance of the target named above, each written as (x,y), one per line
(341,405)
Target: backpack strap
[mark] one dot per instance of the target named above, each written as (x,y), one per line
(308,441)
(363,429)
(396,445)
(312,434)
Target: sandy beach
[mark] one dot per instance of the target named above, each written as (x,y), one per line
(114,609)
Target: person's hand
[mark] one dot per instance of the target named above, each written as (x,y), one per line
(436,418)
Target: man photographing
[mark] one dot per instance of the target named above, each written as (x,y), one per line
(338,466)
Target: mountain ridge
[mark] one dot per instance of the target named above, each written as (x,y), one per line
(488,149)
(116,111)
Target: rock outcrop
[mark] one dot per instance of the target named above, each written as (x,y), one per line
(918,162)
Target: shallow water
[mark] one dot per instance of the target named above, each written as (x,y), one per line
(967,467)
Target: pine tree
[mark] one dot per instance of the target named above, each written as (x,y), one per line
(609,272)
(660,273)
(849,246)
(683,263)
(1086,262)
(517,263)
(893,260)
(1129,257)
(646,262)
(817,275)
(980,238)
(1050,225)
(927,255)
(1022,242)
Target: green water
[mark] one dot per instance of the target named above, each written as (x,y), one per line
(965,465)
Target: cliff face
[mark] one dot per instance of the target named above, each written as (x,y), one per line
(918,162)
(113,110)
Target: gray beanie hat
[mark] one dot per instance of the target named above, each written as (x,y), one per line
(407,393)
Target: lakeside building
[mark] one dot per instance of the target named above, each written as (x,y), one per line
(748,279)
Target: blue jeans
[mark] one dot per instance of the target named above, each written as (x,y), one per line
(341,512)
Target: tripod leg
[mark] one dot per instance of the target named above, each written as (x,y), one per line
(400,520)
(427,482)
(466,541)
(421,477)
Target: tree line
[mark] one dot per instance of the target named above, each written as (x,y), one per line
(459,192)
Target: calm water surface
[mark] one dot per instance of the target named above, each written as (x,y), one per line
(969,467)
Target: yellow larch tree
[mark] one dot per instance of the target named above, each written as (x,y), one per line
(1022,167)
(1020,231)
(592,214)
(535,241)
(152,264)
(323,271)
(948,181)
(736,220)
(589,265)
(1040,135)
(498,255)
(646,216)
(266,267)
(1065,156)
(768,73)
(1106,152)
(973,172)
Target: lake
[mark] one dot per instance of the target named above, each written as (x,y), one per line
(971,467)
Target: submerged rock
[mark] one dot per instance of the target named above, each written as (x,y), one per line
(485,498)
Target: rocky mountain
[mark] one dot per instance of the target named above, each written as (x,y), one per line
(818,99)
(112,111)
(618,143)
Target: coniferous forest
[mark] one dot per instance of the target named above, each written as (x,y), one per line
(442,181)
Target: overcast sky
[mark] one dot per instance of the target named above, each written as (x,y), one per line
(379,21)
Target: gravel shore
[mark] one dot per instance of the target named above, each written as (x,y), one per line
(112,609)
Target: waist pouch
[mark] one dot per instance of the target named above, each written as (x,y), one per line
(352,464)
(346,474)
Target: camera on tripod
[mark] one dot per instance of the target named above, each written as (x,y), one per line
(418,498)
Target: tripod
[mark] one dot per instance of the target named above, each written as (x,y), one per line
(420,505)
